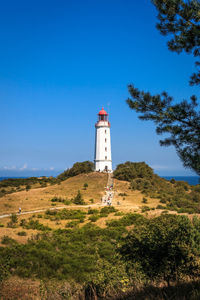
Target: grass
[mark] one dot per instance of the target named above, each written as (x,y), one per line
(39,198)
(133,200)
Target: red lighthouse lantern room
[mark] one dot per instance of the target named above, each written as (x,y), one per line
(103,116)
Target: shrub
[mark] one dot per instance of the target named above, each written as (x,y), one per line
(78,168)
(160,207)
(93,218)
(92,211)
(145,208)
(108,209)
(164,247)
(78,199)
(36,225)
(144,200)
(22,233)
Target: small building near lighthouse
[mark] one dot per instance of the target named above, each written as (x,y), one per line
(102,156)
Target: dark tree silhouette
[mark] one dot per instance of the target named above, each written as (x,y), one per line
(181,20)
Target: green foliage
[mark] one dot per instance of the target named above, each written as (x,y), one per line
(34,224)
(78,168)
(61,200)
(122,194)
(78,199)
(92,211)
(22,233)
(145,208)
(23,183)
(127,220)
(180,20)
(178,196)
(94,218)
(108,210)
(144,200)
(85,186)
(65,214)
(130,170)
(13,221)
(167,247)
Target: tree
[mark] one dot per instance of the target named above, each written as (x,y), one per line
(78,199)
(78,168)
(181,19)
(181,121)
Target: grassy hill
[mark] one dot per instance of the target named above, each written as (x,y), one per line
(38,198)
(73,251)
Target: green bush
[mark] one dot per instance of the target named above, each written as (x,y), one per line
(164,247)
(22,233)
(144,200)
(145,208)
(92,211)
(93,218)
(78,168)
(78,199)
(34,224)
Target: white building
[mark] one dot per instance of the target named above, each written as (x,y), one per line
(102,156)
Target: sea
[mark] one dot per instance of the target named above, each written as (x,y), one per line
(192,180)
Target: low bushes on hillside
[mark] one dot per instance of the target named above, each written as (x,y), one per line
(78,168)
(176,195)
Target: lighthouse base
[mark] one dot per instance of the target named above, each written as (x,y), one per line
(103,166)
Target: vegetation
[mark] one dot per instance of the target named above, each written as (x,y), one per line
(176,195)
(107,262)
(12,185)
(166,248)
(78,199)
(180,20)
(78,168)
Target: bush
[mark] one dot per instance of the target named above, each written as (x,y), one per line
(145,208)
(144,200)
(78,168)
(108,210)
(93,218)
(35,225)
(78,199)
(164,247)
(22,233)
(92,211)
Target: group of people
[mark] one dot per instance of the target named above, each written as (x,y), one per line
(107,199)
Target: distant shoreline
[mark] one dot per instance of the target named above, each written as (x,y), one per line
(192,180)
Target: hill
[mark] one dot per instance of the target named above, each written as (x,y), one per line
(39,198)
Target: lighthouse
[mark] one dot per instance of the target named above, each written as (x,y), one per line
(102,156)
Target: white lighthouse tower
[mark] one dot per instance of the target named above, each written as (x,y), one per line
(102,156)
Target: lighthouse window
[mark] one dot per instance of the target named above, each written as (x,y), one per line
(105,140)
(105,131)
(106,149)
(105,157)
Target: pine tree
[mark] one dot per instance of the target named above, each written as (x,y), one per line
(181,20)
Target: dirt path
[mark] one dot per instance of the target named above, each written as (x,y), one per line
(51,208)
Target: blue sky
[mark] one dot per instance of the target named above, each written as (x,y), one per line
(61,61)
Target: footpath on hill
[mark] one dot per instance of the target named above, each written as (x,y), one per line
(106,200)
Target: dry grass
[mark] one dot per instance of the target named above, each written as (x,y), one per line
(133,200)
(39,198)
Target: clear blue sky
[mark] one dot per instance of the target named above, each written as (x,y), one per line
(61,61)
